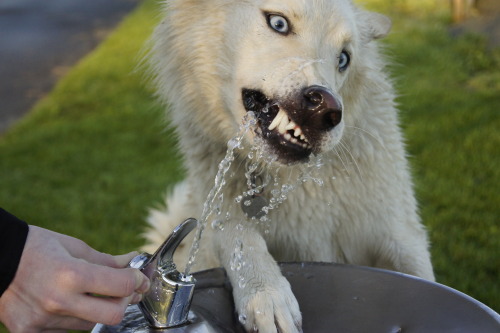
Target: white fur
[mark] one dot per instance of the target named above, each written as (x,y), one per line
(365,213)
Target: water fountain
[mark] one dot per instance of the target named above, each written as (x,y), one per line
(333,297)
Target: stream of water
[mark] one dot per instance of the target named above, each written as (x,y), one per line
(277,191)
(215,197)
(255,206)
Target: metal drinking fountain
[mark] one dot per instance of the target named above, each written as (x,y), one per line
(167,302)
(331,296)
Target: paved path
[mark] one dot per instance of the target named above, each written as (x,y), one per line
(41,39)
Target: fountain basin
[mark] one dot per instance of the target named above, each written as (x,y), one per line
(337,298)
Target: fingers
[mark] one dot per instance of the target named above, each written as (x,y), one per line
(124,259)
(62,324)
(79,249)
(77,306)
(101,273)
(84,309)
(105,259)
(108,311)
(113,282)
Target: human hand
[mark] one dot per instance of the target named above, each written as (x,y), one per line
(57,281)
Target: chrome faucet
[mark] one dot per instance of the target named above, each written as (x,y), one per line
(167,302)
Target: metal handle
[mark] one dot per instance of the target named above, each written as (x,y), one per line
(165,253)
(167,302)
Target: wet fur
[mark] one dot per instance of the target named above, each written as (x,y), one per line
(203,54)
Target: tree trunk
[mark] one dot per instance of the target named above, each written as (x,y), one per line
(461,9)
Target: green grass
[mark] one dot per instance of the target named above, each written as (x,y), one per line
(93,155)
(450,101)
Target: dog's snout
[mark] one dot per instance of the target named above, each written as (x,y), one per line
(326,108)
(317,98)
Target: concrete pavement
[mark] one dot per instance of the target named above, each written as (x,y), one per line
(41,39)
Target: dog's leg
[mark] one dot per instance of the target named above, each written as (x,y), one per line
(263,297)
(409,255)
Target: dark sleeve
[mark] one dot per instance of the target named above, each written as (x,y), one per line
(13,234)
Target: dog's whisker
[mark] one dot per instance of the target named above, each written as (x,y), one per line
(336,151)
(344,147)
(371,135)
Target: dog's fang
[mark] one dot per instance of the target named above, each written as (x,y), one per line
(283,124)
(277,120)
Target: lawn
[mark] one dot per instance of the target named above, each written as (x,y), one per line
(91,157)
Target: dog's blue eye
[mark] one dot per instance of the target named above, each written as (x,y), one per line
(278,23)
(344,60)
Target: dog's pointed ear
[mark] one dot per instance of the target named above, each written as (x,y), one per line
(377,25)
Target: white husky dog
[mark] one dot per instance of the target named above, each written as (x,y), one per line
(311,72)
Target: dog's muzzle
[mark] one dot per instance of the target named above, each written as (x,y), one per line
(295,125)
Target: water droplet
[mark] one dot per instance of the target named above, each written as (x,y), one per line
(241,282)
(247,203)
(233,143)
(237,261)
(242,318)
(238,199)
(217,225)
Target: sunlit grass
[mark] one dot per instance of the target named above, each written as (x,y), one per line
(90,158)
(450,103)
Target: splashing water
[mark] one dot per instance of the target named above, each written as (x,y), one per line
(276,189)
(211,204)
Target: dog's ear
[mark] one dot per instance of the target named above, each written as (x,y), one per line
(377,25)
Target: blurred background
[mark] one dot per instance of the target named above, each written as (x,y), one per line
(85,150)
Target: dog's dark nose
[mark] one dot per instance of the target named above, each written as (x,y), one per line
(327,110)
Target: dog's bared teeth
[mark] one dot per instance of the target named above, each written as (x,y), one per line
(283,125)
(291,125)
(277,120)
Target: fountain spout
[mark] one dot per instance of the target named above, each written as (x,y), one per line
(167,302)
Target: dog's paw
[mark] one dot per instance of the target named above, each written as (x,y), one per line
(269,309)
